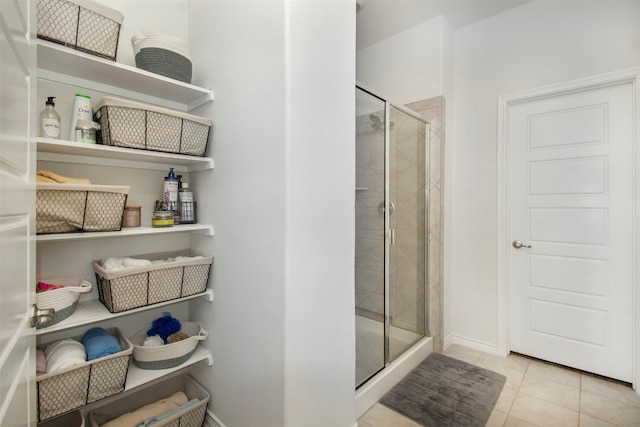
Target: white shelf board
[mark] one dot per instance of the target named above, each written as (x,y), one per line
(105,155)
(62,64)
(92,311)
(205,229)
(137,377)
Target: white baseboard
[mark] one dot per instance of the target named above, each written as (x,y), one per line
(476,345)
(448,341)
(375,388)
(210,420)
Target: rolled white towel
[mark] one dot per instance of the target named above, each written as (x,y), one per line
(134,262)
(64,354)
(153,341)
(112,264)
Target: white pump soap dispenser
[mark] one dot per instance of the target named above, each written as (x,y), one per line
(49,120)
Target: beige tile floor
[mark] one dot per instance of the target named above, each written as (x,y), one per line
(538,394)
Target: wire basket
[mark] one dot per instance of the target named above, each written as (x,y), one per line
(191,415)
(131,124)
(62,300)
(134,287)
(80,24)
(168,355)
(71,388)
(64,208)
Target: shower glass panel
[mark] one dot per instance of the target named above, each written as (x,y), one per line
(370,247)
(407,221)
(390,255)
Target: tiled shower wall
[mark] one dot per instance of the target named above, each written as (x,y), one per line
(369,224)
(432,110)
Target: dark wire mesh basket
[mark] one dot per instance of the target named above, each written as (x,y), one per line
(131,124)
(74,387)
(126,289)
(64,208)
(83,25)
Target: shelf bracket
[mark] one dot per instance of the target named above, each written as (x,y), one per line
(209,359)
(205,232)
(208,295)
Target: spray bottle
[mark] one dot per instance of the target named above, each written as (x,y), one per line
(49,120)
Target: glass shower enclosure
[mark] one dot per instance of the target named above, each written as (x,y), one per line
(391,223)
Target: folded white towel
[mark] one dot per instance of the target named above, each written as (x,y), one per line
(114,264)
(64,354)
(133,262)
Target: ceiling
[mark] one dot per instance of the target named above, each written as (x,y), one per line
(380,19)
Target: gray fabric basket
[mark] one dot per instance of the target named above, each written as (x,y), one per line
(168,355)
(165,62)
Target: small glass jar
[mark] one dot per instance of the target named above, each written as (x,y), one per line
(86,131)
(162,219)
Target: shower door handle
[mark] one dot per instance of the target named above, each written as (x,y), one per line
(392,236)
(381,208)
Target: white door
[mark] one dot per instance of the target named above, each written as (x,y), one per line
(571,200)
(17,210)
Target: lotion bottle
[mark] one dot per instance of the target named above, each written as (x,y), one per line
(49,120)
(170,195)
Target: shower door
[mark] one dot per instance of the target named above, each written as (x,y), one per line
(390,258)
(370,236)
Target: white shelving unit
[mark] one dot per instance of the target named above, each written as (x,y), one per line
(103,155)
(60,65)
(92,311)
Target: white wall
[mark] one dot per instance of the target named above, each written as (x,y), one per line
(281,199)
(533,45)
(406,67)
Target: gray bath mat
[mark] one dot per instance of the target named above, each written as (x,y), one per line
(443,391)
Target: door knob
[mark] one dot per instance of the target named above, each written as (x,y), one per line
(41,317)
(518,244)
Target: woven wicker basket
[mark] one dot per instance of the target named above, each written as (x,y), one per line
(62,300)
(168,355)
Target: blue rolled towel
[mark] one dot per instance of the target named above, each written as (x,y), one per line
(98,343)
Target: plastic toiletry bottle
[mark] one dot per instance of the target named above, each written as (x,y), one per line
(170,195)
(187,206)
(81,111)
(50,120)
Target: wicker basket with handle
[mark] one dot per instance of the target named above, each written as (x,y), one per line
(168,355)
(62,300)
